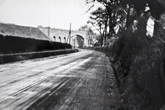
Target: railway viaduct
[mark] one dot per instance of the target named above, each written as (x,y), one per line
(75,38)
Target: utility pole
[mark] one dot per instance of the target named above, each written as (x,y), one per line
(49,28)
(30,32)
(74,43)
(69,36)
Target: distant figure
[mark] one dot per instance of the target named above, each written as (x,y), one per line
(162,25)
(150,27)
(116,28)
(150,22)
(162,21)
(134,25)
(142,21)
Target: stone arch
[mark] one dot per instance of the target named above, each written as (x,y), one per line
(77,41)
(78,34)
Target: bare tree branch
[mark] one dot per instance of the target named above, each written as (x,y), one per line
(90,7)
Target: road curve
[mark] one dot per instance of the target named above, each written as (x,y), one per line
(77,81)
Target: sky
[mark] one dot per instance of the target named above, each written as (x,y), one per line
(54,13)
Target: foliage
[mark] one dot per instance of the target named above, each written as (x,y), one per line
(20,45)
(137,60)
(90,33)
(138,64)
(107,17)
(117,14)
(86,28)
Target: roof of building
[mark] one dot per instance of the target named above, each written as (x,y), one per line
(22,31)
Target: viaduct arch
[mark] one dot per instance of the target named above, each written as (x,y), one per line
(76,38)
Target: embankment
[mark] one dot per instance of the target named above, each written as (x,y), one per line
(138,62)
(139,65)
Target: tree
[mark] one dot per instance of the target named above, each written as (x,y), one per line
(106,18)
(118,12)
(99,20)
(90,33)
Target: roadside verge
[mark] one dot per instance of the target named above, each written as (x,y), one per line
(6,58)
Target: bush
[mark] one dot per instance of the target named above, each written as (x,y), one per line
(14,44)
(67,46)
(137,61)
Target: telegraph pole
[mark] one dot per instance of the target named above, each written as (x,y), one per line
(69,36)
(49,28)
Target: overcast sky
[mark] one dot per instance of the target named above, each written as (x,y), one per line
(56,13)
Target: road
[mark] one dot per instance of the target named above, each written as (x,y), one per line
(77,81)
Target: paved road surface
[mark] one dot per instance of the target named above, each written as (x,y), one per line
(78,81)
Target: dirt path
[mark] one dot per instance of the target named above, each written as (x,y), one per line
(78,81)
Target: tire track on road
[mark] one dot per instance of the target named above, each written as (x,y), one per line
(35,74)
(51,100)
(75,89)
(18,92)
